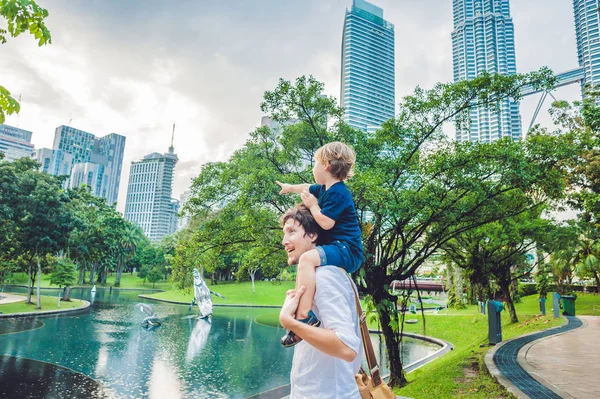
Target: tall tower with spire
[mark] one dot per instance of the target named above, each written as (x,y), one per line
(483,39)
(149,203)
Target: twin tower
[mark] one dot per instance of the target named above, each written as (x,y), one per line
(483,39)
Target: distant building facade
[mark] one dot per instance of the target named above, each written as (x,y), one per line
(86,149)
(15,143)
(55,162)
(587,35)
(368,62)
(149,203)
(483,39)
(184,218)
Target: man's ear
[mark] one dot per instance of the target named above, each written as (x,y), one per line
(313,237)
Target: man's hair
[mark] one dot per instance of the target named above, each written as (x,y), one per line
(340,158)
(301,214)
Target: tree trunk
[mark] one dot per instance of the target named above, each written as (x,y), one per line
(118,274)
(505,287)
(597,277)
(93,273)
(392,342)
(375,276)
(67,294)
(252,278)
(39,282)
(29,284)
(81,280)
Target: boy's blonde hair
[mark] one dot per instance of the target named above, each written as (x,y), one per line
(340,158)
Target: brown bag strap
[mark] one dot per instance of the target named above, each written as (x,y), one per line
(364,332)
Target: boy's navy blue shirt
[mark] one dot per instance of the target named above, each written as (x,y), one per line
(337,204)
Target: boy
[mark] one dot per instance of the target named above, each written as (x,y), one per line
(331,204)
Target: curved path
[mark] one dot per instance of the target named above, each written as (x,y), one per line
(556,363)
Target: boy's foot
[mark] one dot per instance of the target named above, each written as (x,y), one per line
(291,339)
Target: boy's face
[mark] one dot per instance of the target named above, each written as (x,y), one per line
(320,172)
(296,241)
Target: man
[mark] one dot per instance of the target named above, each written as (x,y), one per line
(327,359)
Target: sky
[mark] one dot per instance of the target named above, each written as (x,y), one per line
(135,67)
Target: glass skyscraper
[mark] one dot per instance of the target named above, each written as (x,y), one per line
(86,148)
(483,39)
(367,85)
(588,39)
(149,203)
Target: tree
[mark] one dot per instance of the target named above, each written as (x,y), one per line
(155,275)
(128,242)
(414,190)
(43,217)
(21,16)
(64,274)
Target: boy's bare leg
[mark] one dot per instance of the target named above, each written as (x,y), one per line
(306,277)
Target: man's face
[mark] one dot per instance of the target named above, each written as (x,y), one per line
(296,241)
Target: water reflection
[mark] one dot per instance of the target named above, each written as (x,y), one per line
(230,357)
(198,338)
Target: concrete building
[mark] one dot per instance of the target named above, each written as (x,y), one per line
(15,143)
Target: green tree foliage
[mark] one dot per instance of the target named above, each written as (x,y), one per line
(500,250)
(41,216)
(413,188)
(155,275)
(21,16)
(64,274)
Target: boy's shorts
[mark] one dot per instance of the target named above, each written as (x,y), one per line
(338,254)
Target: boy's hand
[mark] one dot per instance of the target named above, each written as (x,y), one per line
(308,199)
(290,305)
(285,188)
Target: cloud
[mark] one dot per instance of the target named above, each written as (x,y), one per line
(135,67)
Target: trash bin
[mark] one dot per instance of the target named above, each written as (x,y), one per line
(568,302)
(494,322)
(543,306)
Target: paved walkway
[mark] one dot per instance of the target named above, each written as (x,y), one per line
(10,298)
(569,364)
(557,363)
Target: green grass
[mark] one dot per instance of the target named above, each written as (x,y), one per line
(461,373)
(127,281)
(48,303)
(266,293)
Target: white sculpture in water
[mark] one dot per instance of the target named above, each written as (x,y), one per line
(152,320)
(202,296)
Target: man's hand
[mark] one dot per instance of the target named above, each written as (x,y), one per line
(285,188)
(308,199)
(288,310)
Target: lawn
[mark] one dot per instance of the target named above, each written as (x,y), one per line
(128,280)
(266,293)
(48,303)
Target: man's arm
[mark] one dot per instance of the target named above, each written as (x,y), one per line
(292,188)
(324,340)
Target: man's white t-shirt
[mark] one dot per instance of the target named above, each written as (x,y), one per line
(315,374)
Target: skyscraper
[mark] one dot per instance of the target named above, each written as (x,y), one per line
(15,143)
(85,148)
(54,162)
(367,85)
(588,39)
(149,203)
(483,39)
